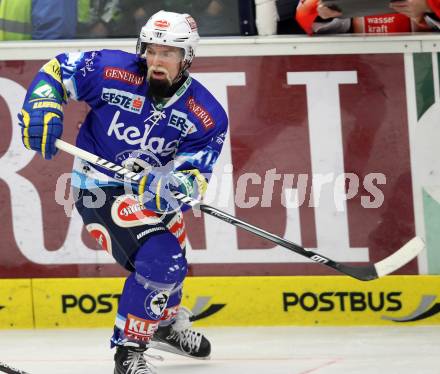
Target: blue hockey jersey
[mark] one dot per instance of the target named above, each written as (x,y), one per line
(124,125)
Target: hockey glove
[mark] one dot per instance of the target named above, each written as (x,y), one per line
(39,129)
(155,189)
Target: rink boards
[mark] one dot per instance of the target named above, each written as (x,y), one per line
(380,102)
(308,117)
(231,301)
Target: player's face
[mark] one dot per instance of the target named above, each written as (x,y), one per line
(164,62)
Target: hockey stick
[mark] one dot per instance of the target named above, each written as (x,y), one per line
(365,273)
(10,370)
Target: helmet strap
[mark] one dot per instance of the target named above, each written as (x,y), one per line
(183,70)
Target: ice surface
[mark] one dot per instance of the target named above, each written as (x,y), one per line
(256,350)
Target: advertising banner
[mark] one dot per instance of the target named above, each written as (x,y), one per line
(235,301)
(319,151)
(83,302)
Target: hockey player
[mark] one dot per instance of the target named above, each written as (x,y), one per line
(147,113)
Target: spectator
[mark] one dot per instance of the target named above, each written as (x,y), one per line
(315,18)
(266,17)
(135,12)
(276,17)
(37,19)
(15,20)
(53,22)
(424,12)
(217,17)
(98,18)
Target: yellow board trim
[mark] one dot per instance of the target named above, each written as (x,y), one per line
(261,301)
(16,310)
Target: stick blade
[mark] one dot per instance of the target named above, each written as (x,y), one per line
(401,257)
(4,368)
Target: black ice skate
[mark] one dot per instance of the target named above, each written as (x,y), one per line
(130,359)
(179,338)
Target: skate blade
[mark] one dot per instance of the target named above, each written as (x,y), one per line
(167,348)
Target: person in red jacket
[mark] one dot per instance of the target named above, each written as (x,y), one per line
(411,15)
(425,12)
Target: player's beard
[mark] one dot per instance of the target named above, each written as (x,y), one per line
(159,88)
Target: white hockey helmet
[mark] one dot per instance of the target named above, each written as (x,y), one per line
(169,28)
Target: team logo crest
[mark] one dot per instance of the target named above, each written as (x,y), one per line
(156,302)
